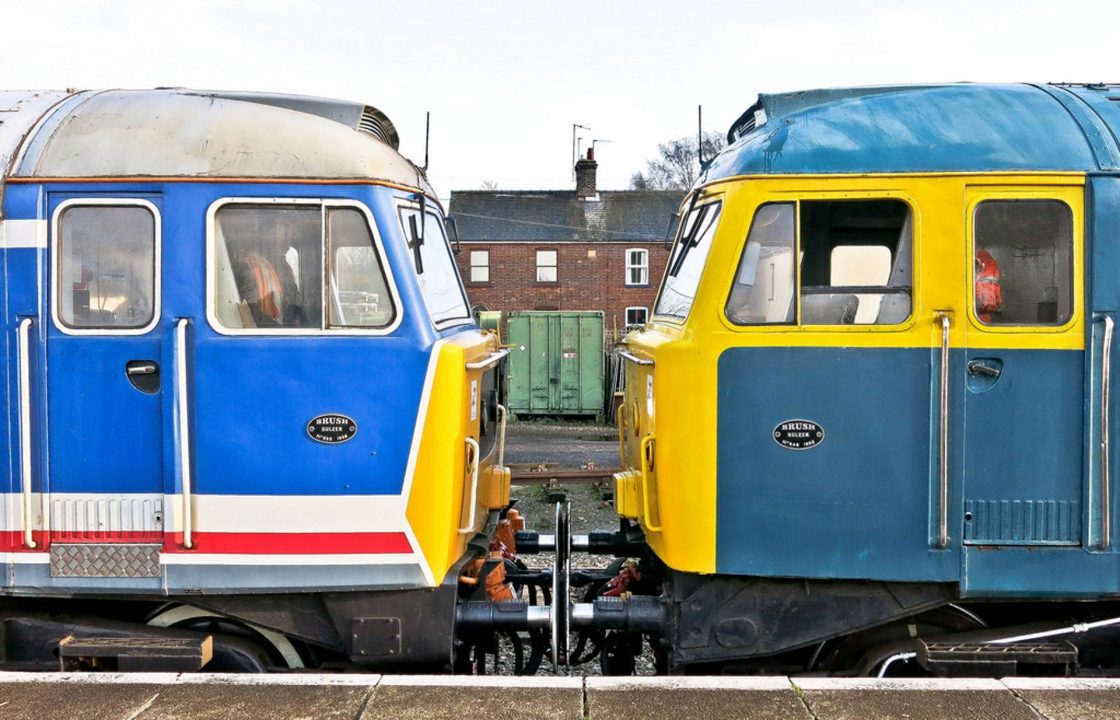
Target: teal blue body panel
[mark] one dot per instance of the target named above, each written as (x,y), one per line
(864,502)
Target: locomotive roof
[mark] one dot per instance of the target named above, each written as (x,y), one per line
(930,128)
(189,133)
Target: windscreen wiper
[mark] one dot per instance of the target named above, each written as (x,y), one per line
(689,241)
(416,240)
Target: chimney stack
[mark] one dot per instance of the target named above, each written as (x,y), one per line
(585,176)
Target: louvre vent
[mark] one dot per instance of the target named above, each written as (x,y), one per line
(373,122)
(1022,522)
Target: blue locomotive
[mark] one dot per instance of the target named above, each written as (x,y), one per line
(245,399)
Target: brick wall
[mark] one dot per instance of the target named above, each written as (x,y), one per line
(589,276)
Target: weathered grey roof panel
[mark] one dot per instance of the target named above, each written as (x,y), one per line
(19,111)
(184,133)
(559,216)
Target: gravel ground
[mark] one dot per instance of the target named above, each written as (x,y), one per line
(551,445)
(531,444)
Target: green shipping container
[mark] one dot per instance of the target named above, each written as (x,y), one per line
(556,363)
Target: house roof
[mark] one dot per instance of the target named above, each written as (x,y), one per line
(559,216)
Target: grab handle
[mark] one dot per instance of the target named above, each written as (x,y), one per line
(24,348)
(488,362)
(184,425)
(1106,380)
(620,420)
(501,435)
(943,437)
(472,459)
(634,358)
(647,443)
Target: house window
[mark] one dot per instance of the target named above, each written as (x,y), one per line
(480,266)
(637,266)
(636,317)
(546,266)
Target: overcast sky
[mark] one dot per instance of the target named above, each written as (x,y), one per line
(505,80)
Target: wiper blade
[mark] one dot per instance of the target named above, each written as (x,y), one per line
(691,239)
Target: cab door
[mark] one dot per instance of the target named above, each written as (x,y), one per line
(1024,369)
(827,442)
(105,380)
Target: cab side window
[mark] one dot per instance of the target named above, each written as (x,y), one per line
(106,274)
(269,272)
(1023,262)
(854,264)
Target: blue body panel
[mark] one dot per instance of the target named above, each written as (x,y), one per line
(1023,445)
(863,504)
(252,396)
(858,504)
(950,128)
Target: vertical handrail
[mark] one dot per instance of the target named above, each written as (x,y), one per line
(1106,379)
(473,460)
(183,417)
(647,441)
(620,421)
(943,437)
(24,349)
(501,435)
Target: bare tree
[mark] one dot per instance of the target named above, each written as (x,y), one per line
(677,166)
(489,185)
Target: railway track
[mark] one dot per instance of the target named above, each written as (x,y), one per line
(556,477)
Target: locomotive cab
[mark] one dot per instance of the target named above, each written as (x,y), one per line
(875,389)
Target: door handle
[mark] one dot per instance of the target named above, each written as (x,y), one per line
(141,368)
(144,375)
(982,367)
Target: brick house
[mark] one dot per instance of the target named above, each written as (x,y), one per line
(565,250)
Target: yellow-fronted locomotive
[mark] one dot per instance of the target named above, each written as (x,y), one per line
(870,425)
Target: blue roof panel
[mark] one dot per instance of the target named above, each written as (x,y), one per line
(943,128)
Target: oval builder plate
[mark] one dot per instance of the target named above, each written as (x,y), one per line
(332,428)
(798,434)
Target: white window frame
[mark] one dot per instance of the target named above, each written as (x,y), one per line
(643,266)
(555,265)
(645,315)
(324,204)
(485,265)
(157,300)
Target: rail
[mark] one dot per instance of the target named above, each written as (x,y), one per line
(24,349)
(474,455)
(1106,379)
(182,407)
(525,477)
(943,438)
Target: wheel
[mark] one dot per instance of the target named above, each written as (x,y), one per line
(234,640)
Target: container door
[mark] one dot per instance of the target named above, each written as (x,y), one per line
(106,378)
(1023,369)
